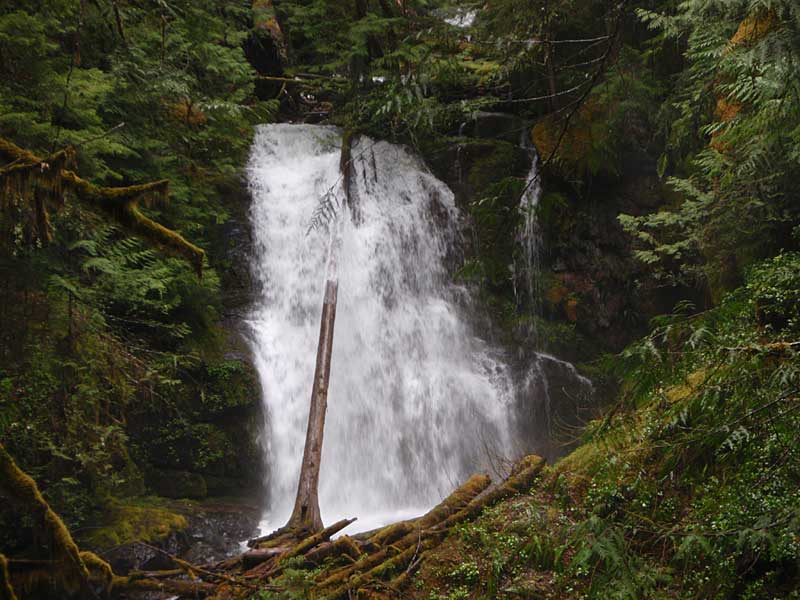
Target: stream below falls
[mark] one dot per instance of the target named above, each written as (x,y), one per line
(418,401)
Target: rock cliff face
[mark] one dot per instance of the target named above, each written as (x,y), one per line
(590,302)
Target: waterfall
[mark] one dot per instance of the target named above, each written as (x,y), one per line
(530,234)
(417,401)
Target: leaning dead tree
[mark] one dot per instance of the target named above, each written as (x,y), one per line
(306,515)
(306,518)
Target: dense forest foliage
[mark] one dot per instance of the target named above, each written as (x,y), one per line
(115,369)
(668,137)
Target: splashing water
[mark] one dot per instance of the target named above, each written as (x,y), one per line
(417,402)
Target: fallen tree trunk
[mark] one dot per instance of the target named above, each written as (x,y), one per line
(271,569)
(191,589)
(521,480)
(453,504)
(343,546)
(387,567)
(450,505)
(523,476)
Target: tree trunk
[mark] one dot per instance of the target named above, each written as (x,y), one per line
(306,515)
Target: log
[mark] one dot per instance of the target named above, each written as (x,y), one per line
(398,561)
(306,514)
(526,471)
(450,505)
(453,504)
(69,568)
(522,477)
(253,558)
(6,591)
(323,536)
(343,546)
(266,570)
(192,589)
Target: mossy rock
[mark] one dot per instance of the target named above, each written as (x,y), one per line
(173,483)
(145,520)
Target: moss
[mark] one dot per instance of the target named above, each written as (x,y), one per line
(99,570)
(6,591)
(145,520)
(23,491)
(28,173)
(682,392)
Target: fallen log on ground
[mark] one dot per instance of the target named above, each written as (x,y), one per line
(389,566)
(450,505)
(274,567)
(521,479)
(343,546)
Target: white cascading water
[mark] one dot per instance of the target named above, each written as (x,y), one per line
(417,402)
(545,376)
(530,233)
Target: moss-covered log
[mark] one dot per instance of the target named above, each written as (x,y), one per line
(377,573)
(68,564)
(343,546)
(190,589)
(455,502)
(6,591)
(417,530)
(314,540)
(522,477)
(272,568)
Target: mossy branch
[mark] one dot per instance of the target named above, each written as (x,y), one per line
(6,591)
(69,566)
(30,178)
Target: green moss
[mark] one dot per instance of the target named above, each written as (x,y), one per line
(6,591)
(146,520)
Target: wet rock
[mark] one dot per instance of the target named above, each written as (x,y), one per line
(470,166)
(552,401)
(146,557)
(213,530)
(217,529)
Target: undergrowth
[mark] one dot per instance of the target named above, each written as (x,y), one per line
(687,488)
